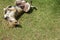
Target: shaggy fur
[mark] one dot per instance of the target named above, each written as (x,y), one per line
(23,4)
(11,13)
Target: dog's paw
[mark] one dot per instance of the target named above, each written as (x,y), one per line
(34,7)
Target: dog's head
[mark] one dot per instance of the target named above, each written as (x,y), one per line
(13,22)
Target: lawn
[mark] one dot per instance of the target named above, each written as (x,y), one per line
(41,24)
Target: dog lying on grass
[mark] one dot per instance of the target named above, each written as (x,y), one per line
(11,12)
(24,5)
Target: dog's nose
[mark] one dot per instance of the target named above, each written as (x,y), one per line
(16,22)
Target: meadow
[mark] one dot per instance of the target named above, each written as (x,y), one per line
(40,24)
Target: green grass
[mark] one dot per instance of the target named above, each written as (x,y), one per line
(41,24)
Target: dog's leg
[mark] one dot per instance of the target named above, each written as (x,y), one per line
(30,2)
(34,7)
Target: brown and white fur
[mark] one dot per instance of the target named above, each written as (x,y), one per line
(13,11)
(24,5)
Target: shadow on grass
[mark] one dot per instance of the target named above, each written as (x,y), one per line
(18,26)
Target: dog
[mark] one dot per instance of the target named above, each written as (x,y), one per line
(11,12)
(26,6)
